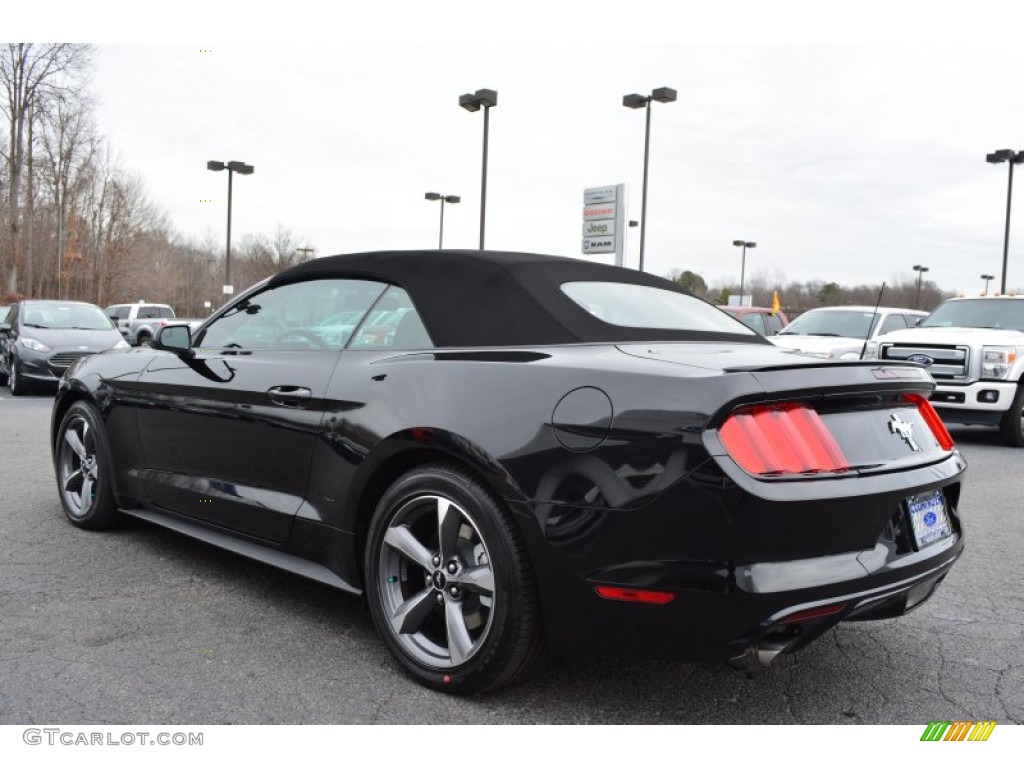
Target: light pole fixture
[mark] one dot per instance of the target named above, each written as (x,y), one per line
(986,278)
(743,261)
(444,199)
(471,102)
(636,101)
(920,276)
(1012,158)
(232,167)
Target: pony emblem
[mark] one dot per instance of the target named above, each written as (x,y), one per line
(904,429)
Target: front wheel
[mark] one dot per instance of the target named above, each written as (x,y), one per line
(1012,424)
(83,469)
(15,380)
(449,584)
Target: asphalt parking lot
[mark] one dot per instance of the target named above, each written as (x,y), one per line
(141,625)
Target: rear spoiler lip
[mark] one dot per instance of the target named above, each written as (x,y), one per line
(901,370)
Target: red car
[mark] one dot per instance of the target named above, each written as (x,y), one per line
(761,319)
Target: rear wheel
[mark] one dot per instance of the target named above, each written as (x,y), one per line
(1012,424)
(83,474)
(448,582)
(145,340)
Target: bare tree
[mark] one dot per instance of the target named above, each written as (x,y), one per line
(30,74)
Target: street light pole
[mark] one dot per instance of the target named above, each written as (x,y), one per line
(743,262)
(986,278)
(471,102)
(232,167)
(1012,158)
(636,101)
(444,199)
(920,276)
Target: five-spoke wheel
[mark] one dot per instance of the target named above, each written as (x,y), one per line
(449,586)
(82,474)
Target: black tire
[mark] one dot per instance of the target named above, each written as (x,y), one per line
(444,558)
(3,377)
(16,381)
(145,340)
(82,463)
(1012,424)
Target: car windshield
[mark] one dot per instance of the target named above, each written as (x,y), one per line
(978,313)
(643,306)
(66,315)
(852,323)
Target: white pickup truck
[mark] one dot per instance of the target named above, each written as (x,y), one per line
(139,322)
(974,349)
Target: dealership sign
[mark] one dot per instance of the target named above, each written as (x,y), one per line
(599,228)
(604,213)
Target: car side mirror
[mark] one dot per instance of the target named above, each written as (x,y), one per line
(173,338)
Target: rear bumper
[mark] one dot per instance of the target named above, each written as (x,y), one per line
(702,625)
(733,591)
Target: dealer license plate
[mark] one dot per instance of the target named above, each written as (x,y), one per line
(928,517)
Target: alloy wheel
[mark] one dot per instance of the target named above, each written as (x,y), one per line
(78,467)
(435,582)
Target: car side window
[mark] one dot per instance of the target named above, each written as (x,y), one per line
(392,323)
(773,324)
(311,315)
(893,323)
(755,321)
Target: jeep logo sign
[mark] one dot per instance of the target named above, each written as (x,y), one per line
(600,228)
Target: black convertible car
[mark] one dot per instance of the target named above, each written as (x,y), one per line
(504,451)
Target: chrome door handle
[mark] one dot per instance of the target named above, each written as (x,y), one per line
(290,397)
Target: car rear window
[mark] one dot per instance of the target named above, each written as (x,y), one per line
(643,306)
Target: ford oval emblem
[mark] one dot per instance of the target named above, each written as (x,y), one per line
(922,359)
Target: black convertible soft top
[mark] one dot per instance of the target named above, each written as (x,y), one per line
(497,298)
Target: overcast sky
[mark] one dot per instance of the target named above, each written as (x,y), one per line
(846,161)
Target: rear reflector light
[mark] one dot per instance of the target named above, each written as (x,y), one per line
(787,439)
(635,595)
(933,420)
(813,613)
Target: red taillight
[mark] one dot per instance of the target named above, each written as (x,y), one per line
(787,439)
(635,595)
(813,613)
(933,420)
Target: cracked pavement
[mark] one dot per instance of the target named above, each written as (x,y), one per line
(140,625)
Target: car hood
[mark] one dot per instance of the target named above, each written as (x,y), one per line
(821,346)
(719,357)
(73,339)
(939,335)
